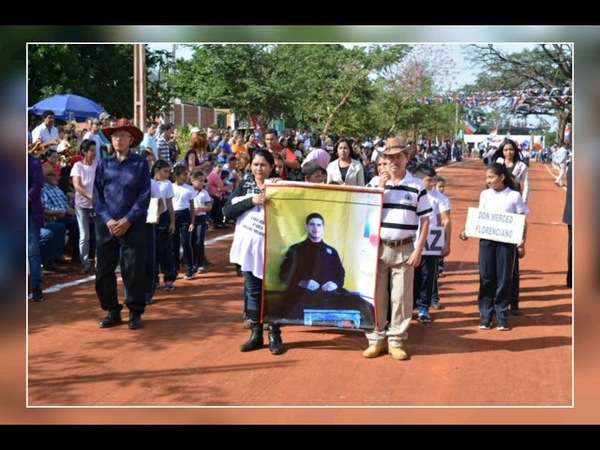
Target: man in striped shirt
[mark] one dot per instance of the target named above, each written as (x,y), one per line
(162,142)
(405,208)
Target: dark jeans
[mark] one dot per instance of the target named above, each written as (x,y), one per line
(52,241)
(516,284)
(216,213)
(164,249)
(198,240)
(425,275)
(252,292)
(33,252)
(150,260)
(435,295)
(496,265)
(131,250)
(73,228)
(182,238)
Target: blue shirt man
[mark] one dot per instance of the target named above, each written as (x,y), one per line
(121,199)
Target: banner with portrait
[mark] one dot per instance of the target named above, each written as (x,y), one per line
(322,244)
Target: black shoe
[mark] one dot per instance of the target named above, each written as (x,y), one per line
(256,338)
(113,318)
(135,320)
(514,310)
(37,295)
(275,343)
(53,267)
(485,324)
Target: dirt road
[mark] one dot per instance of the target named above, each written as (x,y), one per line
(186,359)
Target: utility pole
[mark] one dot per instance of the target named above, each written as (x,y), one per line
(139,83)
(456,120)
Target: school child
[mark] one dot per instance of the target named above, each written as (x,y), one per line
(202,205)
(426,273)
(496,259)
(161,171)
(440,186)
(183,205)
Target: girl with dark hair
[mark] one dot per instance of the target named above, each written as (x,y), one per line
(83,174)
(165,227)
(246,206)
(183,204)
(496,259)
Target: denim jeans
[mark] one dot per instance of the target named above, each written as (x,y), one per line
(183,238)
(198,240)
(164,249)
(34,252)
(424,283)
(496,265)
(52,241)
(85,231)
(252,292)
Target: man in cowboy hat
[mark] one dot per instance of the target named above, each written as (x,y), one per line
(406,209)
(121,198)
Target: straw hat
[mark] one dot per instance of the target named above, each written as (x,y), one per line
(125,125)
(397,145)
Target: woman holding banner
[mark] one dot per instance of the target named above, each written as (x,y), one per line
(496,259)
(246,206)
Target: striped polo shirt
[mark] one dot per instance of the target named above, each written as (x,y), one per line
(403,206)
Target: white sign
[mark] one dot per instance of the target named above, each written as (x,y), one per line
(495,226)
(435,241)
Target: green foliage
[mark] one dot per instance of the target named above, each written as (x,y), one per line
(100,72)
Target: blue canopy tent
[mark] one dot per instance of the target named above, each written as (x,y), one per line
(68,107)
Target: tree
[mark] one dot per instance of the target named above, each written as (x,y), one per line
(421,73)
(249,79)
(100,72)
(540,76)
(159,93)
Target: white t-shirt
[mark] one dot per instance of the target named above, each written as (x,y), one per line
(166,191)
(506,200)
(202,198)
(184,193)
(87,175)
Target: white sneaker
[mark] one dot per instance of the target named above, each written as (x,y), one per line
(201,269)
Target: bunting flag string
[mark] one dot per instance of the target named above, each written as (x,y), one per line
(507,99)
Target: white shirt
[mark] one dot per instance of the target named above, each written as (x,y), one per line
(166,191)
(47,135)
(183,195)
(202,198)
(506,200)
(87,175)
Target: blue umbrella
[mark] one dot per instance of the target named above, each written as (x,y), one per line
(68,107)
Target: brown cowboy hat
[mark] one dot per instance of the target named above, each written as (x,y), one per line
(399,146)
(125,125)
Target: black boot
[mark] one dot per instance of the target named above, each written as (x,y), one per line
(275,342)
(113,318)
(256,340)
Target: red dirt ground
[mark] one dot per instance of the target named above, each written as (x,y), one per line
(187,355)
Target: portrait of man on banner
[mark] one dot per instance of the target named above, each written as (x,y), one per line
(321,254)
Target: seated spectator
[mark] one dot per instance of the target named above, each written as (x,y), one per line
(57,208)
